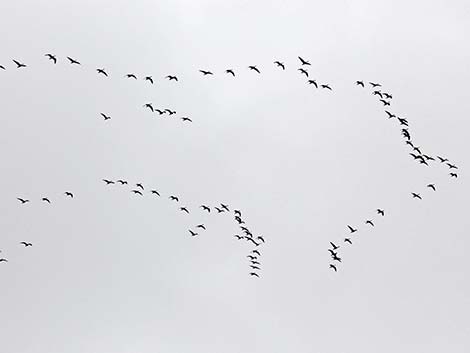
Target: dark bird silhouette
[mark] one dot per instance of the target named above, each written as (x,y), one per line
(184,209)
(237,212)
(205,208)
(408,142)
(73,61)
(335,247)
(375,84)
(171,112)
(281,65)
(3,260)
(2,67)
(139,185)
(137,192)
(69,194)
(388,96)
(22,200)
(390,115)
(155,192)
(171,77)
(403,121)
(106,117)
(260,238)
(336,258)
(453,175)
(254,274)
(431,186)
(26,244)
(254,68)
(417,149)
(377,93)
(347,240)
(442,159)
(173,198)
(381,212)
(18,64)
(351,229)
(149,78)
(131,76)
(238,237)
(370,222)
(225,207)
(384,102)
(313,82)
(251,257)
(327,87)
(451,166)
(205,72)
(332,252)
(219,210)
(333,267)
(255,267)
(230,71)
(304,62)
(251,239)
(46,200)
(149,105)
(360,83)
(186,119)
(416,196)
(122,182)
(303,71)
(428,158)
(160,111)
(108,182)
(52,57)
(192,233)
(202,226)
(256,252)
(102,71)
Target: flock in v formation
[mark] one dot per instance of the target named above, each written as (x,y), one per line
(254,255)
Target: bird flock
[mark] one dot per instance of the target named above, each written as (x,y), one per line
(246,235)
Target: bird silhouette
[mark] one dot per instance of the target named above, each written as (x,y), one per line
(171,77)
(2,67)
(254,68)
(22,200)
(360,83)
(139,185)
(155,192)
(370,222)
(333,267)
(131,76)
(3,260)
(106,117)
(384,102)
(149,78)
(202,226)
(335,247)
(219,210)
(171,112)
(52,57)
(173,198)
(69,194)
(256,252)
(351,229)
(327,87)
(149,105)
(160,111)
(73,61)
(186,119)
(137,192)
(377,93)
(108,182)
(238,237)
(381,212)
(375,84)
(336,258)
(303,71)
(332,252)
(237,212)
(390,115)
(281,65)
(304,62)
(251,257)
(205,73)
(18,64)
(46,200)
(192,233)
(184,209)
(313,82)
(388,96)
(254,274)
(225,207)
(205,208)
(122,182)
(451,166)
(255,267)
(26,244)
(102,71)
(230,71)
(416,196)
(347,240)
(431,186)
(260,238)
(443,160)
(453,175)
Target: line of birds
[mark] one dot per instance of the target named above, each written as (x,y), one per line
(416,153)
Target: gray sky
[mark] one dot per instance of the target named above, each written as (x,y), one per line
(113,272)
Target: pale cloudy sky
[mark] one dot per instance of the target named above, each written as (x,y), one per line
(113,272)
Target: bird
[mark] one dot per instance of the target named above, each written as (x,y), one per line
(18,64)
(384,102)
(219,210)
(237,212)
(303,71)
(327,87)
(451,166)
(336,258)
(171,77)
(333,267)
(149,78)
(192,233)
(238,237)
(370,222)
(304,62)
(160,111)
(360,83)
(381,212)
(137,192)
(184,209)
(251,257)
(281,65)
(225,207)
(432,186)
(260,238)
(347,240)
(417,149)
(351,229)
(73,61)
(255,267)
(377,93)
(139,185)
(171,112)
(22,200)
(131,76)
(416,196)
(186,119)
(205,208)
(390,115)
(453,175)
(332,252)
(256,252)
(442,159)
(108,182)
(230,71)
(155,192)
(173,198)
(2,67)
(313,82)
(3,260)
(429,158)
(205,72)
(335,247)
(388,96)
(375,84)
(148,105)
(122,182)
(106,117)
(254,68)
(46,200)
(69,194)
(51,57)
(254,274)
(202,226)
(102,71)
(26,244)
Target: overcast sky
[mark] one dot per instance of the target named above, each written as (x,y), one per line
(110,271)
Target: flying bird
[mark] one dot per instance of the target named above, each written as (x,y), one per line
(52,57)
(260,238)
(390,115)
(73,61)
(370,222)
(453,175)
(442,159)
(327,87)
(106,117)
(416,196)
(202,226)
(347,240)
(192,233)
(375,84)
(3,260)
(237,212)
(451,166)
(219,210)
(333,267)
(173,198)
(149,78)
(171,77)
(384,102)
(205,208)
(303,71)
(148,105)
(225,207)
(2,67)
(155,192)
(335,247)
(313,82)
(238,237)
(184,209)
(360,83)
(279,64)
(102,71)
(139,185)
(377,93)
(22,200)
(26,244)
(69,194)
(256,252)
(131,76)
(230,71)
(18,64)
(108,182)
(304,62)
(46,200)
(388,96)
(205,72)
(254,68)
(432,186)
(122,182)
(254,274)
(186,119)
(137,192)
(351,229)
(381,212)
